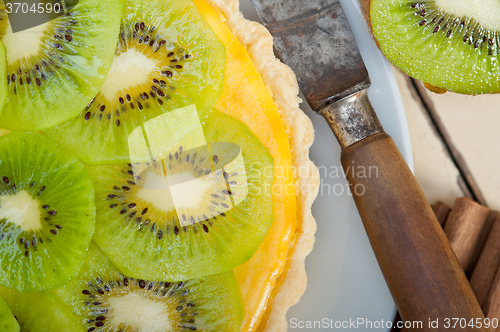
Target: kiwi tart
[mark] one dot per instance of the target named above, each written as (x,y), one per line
(253,136)
(55,69)
(451,45)
(47,213)
(167,57)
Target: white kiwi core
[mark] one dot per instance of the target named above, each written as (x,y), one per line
(188,191)
(22,210)
(129,69)
(23,44)
(174,192)
(486,12)
(155,191)
(140,313)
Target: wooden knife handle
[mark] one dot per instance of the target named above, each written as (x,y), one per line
(419,266)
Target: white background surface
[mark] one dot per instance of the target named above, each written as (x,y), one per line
(344,280)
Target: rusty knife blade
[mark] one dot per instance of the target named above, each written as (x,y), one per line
(313,37)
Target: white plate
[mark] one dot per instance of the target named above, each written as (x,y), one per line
(344,280)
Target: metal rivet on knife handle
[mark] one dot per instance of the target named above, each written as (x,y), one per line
(352,119)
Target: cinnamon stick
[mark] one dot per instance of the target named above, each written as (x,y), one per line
(492,304)
(492,215)
(463,228)
(484,273)
(441,211)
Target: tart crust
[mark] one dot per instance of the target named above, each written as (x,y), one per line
(283,86)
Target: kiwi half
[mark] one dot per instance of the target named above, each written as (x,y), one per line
(40,312)
(8,322)
(167,58)
(190,212)
(47,213)
(452,45)
(55,69)
(106,300)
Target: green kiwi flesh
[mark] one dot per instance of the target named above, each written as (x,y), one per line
(167,58)
(55,69)
(452,49)
(3,76)
(8,322)
(222,216)
(47,213)
(40,311)
(4,19)
(106,300)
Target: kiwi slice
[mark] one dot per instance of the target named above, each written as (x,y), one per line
(167,58)
(40,312)
(452,45)
(191,211)
(55,69)
(106,300)
(8,322)
(47,213)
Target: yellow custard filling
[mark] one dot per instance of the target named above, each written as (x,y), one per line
(246,98)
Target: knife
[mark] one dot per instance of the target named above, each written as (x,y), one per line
(422,272)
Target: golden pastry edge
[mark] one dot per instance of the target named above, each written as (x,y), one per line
(284,89)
